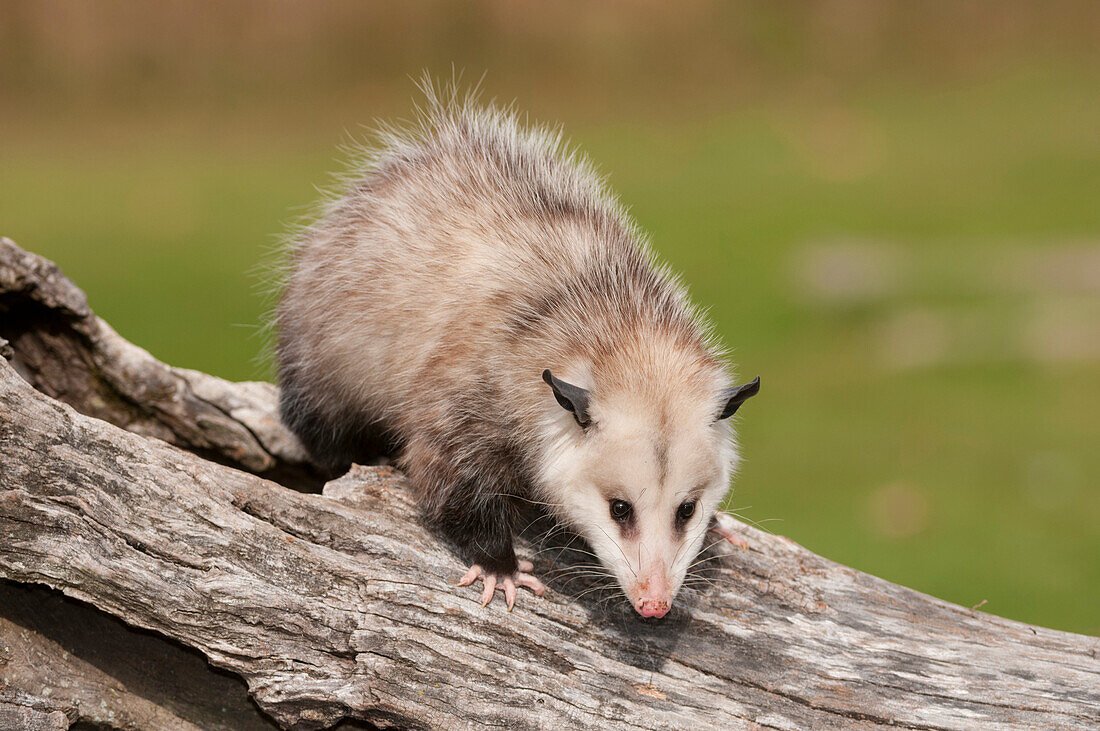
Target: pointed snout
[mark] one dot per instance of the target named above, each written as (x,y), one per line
(652,597)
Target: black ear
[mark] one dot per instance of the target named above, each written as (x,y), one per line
(737,395)
(572,398)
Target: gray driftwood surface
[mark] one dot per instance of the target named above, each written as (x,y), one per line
(141,492)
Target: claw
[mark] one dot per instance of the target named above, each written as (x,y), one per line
(506,583)
(471,576)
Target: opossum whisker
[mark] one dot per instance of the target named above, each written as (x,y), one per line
(754,523)
(582,564)
(689,542)
(702,562)
(577,571)
(704,556)
(554,531)
(569,578)
(694,578)
(616,543)
(705,571)
(594,579)
(529,524)
(757,523)
(702,573)
(602,587)
(586,567)
(695,581)
(599,580)
(579,587)
(530,501)
(698,569)
(602,604)
(567,547)
(560,551)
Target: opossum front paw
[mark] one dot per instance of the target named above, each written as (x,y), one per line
(504,582)
(726,526)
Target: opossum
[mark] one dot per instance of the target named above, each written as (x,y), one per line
(478,302)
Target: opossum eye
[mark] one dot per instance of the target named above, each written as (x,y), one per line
(686,510)
(621,510)
(736,396)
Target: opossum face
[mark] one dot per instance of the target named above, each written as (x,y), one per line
(642,483)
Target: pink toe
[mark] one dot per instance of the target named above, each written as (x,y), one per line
(726,527)
(737,541)
(490,589)
(471,576)
(531,583)
(509,593)
(526,566)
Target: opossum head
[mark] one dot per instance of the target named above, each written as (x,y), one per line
(640,472)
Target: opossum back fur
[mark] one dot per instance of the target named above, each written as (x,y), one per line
(465,255)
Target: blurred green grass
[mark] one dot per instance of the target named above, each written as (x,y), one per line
(973,479)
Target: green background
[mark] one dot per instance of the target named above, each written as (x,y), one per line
(891,212)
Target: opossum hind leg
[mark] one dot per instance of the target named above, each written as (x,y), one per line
(506,583)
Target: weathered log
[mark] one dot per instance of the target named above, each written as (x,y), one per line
(20,710)
(37,667)
(61,348)
(340,605)
(103,659)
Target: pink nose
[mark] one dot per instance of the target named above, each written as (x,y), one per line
(652,607)
(653,598)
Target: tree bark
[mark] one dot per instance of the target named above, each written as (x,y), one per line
(73,687)
(130,486)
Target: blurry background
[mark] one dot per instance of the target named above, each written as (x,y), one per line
(890,208)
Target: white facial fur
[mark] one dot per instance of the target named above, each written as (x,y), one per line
(655,460)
